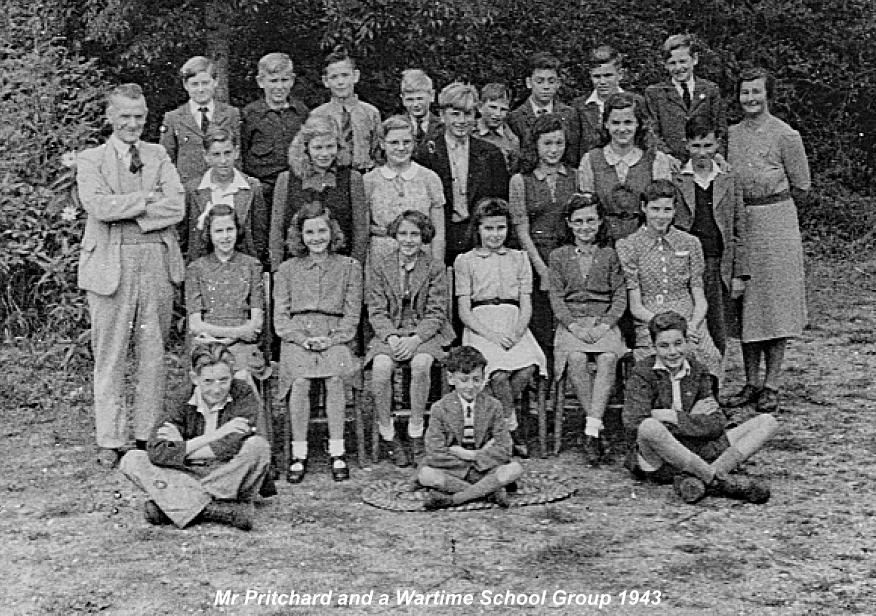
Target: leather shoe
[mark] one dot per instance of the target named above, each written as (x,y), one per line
(154,515)
(437,500)
(593,450)
(742,488)
(689,488)
(340,473)
(108,458)
(768,402)
(395,451)
(500,497)
(296,475)
(746,395)
(418,447)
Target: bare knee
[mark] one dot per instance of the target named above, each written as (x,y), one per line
(381,368)
(421,364)
(300,386)
(652,430)
(577,360)
(606,361)
(509,472)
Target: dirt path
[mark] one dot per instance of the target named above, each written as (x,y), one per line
(74,541)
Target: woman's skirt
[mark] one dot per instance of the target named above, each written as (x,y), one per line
(566,343)
(502,318)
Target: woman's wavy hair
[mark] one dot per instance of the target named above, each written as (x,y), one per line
(423,223)
(582,200)
(627,100)
(486,208)
(215,212)
(314,209)
(315,126)
(757,72)
(544,124)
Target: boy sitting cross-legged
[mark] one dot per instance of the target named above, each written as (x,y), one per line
(679,432)
(468,445)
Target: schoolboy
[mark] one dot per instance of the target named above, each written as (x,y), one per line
(270,123)
(543,82)
(677,431)
(417,94)
(470,169)
(223,183)
(492,126)
(605,67)
(710,207)
(183,129)
(468,445)
(204,458)
(359,121)
(672,103)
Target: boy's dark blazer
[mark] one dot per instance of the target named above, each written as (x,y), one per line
(522,120)
(487,174)
(669,115)
(182,137)
(251,213)
(729,211)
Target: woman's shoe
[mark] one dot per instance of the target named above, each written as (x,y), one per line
(296,471)
(768,402)
(746,395)
(340,473)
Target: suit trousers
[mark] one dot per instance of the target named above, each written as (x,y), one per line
(183,494)
(142,304)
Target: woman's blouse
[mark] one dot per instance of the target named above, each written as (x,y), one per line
(587,284)
(768,159)
(483,274)
(224,292)
(389,193)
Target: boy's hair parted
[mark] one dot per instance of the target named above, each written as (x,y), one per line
(700,126)
(604,54)
(495,92)
(338,54)
(218,134)
(416,80)
(465,359)
(275,62)
(198,64)
(666,321)
(543,61)
(458,95)
(680,41)
(206,354)
(314,209)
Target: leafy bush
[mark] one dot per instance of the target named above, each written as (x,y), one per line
(51,103)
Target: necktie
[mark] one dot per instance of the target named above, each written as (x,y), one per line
(136,163)
(346,128)
(419,135)
(542,111)
(205,121)
(468,435)
(685,94)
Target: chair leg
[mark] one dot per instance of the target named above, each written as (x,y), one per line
(287,435)
(542,416)
(375,435)
(559,407)
(360,426)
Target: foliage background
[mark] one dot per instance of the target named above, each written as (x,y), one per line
(56,56)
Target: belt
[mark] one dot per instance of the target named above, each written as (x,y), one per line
(623,215)
(778,197)
(310,312)
(496,301)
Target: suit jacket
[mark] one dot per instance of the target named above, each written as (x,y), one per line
(729,211)
(249,208)
(429,297)
(669,114)
(185,416)
(99,188)
(522,120)
(446,421)
(181,136)
(487,174)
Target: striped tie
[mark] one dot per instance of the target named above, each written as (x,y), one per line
(468,432)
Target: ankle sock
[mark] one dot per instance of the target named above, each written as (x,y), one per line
(299,450)
(593,426)
(336,447)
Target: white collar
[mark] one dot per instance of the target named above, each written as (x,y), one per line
(483,129)
(238,183)
(703,181)
(690,86)
(195,109)
(536,108)
(407,175)
(197,400)
(465,403)
(122,149)
(685,368)
(630,158)
(594,98)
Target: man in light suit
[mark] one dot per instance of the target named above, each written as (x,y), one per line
(129,261)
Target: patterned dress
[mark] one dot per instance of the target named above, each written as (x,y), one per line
(224,294)
(665,269)
(770,160)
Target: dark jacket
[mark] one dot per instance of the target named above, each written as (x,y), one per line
(522,120)
(190,423)
(265,136)
(603,294)
(669,114)
(183,139)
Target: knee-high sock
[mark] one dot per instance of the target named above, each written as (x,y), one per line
(654,436)
(745,440)
(487,485)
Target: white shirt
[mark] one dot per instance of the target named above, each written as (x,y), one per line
(675,379)
(600,104)
(680,90)
(123,150)
(549,108)
(211,414)
(224,194)
(195,109)
(703,181)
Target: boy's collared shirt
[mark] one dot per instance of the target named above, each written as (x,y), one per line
(224,194)
(468,422)
(504,139)
(679,87)
(702,181)
(210,413)
(538,109)
(595,100)
(195,110)
(364,122)
(675,380)
(457,152)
